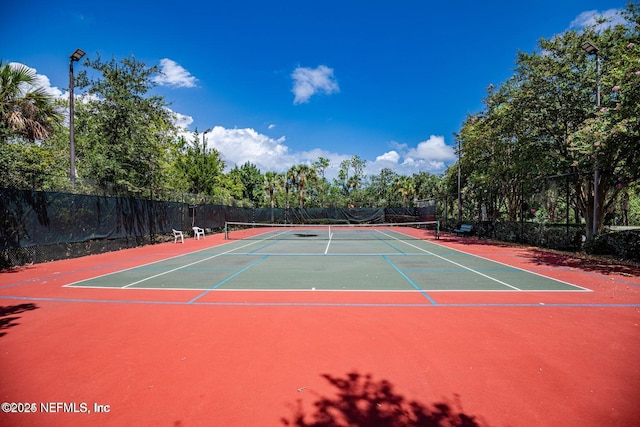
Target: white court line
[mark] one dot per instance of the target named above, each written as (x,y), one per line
(328,290)
(497,262)
(138,266)
(193,263)
(75,284)
(328,243)
(189,265)
(518,268)
(453,262)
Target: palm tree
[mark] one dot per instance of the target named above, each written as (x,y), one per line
(406,187)
(301,175)
(272,182)
(26,111)
(306,174)
(290,179)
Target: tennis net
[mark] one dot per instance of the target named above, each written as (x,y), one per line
(261,231)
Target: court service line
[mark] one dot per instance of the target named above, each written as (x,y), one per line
(454,263)
(426,295)
(515,267)
(189,265)
(115,263)
(256,262)
(395,248)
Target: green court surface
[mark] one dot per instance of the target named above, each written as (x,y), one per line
(384,261)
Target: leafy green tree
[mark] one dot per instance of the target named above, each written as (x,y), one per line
(543,121)
(252,181)
(317,190)
(380,188)
(610,138)
(123,132)
(321,166)
(33,166)
(497,157)
(351,179)
(448,207)
(427,185)
(200,172)
(557,94)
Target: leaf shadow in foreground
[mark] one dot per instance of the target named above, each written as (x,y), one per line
(361,401)
(8,318)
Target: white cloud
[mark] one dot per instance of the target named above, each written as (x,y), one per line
(592,17)
(182,121)
(431,156)
(310,81)
(174,75)
(390,156)
(40,81)
(433,149)
(238,146)
(43,82)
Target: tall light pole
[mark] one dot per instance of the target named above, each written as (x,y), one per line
(204,142)
(459,189)
(75,56)
(591,49)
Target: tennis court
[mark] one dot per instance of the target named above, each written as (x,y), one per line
(321,325)
(383,258)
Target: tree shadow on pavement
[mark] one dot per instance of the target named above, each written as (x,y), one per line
(361,401)
(8,318)
(586,263)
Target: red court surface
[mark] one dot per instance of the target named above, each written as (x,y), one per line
(119,357)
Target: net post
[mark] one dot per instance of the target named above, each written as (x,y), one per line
(226,231)
(437,229)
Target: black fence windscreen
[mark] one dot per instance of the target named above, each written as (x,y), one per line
(37,218)
(33,218)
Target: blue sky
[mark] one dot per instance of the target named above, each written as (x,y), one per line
(283,82)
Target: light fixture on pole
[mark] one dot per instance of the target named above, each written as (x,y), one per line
(204,142)
(591,49)
(75,56)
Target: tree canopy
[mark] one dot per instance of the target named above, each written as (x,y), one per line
(563,112)
(547,120)
(123,132)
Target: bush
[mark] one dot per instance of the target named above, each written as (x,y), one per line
(623,244)
(545,235)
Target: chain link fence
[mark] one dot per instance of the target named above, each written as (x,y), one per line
(545,212)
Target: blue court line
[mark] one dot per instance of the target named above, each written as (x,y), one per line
(256,262)
(390,245)
(313,304)
(273,242)
(426,295)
